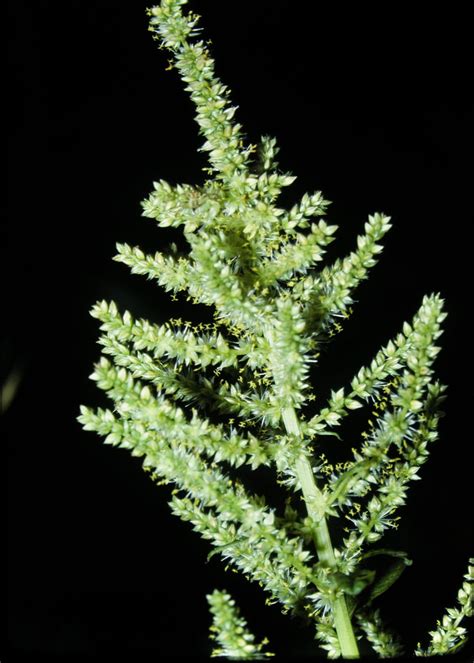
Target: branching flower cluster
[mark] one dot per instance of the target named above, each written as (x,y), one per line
(199,401)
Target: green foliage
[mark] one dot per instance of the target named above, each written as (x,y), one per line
(198,401)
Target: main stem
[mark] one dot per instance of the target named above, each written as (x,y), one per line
(322,539)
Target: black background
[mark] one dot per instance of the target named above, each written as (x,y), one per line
(371,107)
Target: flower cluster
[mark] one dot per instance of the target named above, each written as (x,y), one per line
(198,401)
(230,630)
(383,641)
(449,635)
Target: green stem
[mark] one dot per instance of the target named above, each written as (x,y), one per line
(315,506)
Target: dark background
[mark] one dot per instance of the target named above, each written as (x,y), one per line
(372,108)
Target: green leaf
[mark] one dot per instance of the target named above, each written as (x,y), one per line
(387,578)
(395,570)
(389,552)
